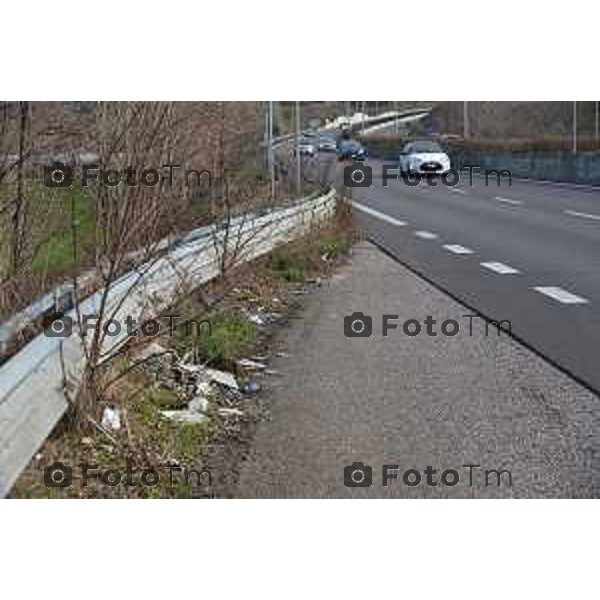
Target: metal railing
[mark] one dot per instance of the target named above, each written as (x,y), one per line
(33,383)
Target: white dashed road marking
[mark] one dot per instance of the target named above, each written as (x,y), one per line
(574,213)
(499,267)
(426,235)
(457,190)
(561,295)
(509,201)
(378,215)
(457,249)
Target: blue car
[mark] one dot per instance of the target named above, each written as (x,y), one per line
(351,149)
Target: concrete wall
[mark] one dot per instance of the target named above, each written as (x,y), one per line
(568,168)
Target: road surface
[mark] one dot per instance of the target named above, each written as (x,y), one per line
(414,402)
(528,253)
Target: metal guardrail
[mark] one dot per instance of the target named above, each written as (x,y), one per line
(355,124)
(34,382)
(400,120)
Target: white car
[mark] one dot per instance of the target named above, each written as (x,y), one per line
(424,156)
(306,148)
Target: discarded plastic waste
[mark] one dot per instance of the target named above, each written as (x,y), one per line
(221,377)
(246,363)
(198,403)
(230,412)
(263,318)
(257,320)
(184,416)
(259,358)
(152,349)
(251,387)
(111,419)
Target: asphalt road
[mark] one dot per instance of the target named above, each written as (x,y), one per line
(414,402)
(527,253)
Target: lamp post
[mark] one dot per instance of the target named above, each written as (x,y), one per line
(575,127)
(362,118)
(596,125)
(271,157)
(298,161)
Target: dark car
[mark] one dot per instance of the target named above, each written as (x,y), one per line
(351,149)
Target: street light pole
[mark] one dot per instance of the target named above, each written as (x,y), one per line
(575,127)
(597,124)
(298,161)
(362,118)
(465,119)
(271,152)
(266,137)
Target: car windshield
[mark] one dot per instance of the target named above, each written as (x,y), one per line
(352,145)
(425,146)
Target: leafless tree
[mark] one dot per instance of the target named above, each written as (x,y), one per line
(132,223)
(14,151)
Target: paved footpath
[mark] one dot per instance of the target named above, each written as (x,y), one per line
(416,402)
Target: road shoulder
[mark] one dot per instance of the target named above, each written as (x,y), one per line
(414,401)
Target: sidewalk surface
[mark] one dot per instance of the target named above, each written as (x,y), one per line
(416,402)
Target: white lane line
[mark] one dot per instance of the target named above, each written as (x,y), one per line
(499,267)
(509,201)
(574,213)
(561,295)
(457,190)
(457,249)
(378,215)
(426,235)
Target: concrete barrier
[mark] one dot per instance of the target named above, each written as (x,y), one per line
(564,168)
(581,169)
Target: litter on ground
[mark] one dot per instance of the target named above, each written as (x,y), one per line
(111,419)
(252,365)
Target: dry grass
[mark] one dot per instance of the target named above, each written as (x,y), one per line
(146,439)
